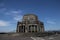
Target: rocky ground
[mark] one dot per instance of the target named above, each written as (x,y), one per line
(53,37)
(19,37)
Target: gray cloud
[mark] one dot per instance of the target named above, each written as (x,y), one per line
(18,18)
(51,22)
(4,23)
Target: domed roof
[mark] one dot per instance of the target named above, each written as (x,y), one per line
(29,14)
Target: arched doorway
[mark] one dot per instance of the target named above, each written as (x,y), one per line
(32,28)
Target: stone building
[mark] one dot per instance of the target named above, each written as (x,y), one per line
(30,23)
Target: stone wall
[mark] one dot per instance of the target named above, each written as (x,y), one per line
(26,24)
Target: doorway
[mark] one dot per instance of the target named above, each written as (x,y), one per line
(32,28)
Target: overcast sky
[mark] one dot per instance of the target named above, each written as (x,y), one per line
(12,11)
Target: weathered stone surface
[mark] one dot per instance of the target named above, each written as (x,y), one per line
(30,23)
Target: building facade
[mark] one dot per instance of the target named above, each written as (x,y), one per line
(30,23)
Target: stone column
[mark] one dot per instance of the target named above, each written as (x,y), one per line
(42,29)
(26,27)
(31,28)
(34,28)
(37,28)
(26,30)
